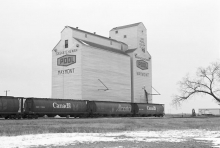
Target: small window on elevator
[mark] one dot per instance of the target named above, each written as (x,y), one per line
(125,36)
(66,43)
(116,32)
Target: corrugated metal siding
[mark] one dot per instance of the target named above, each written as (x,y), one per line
(112,69)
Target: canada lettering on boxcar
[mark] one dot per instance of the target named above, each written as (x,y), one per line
(56,105)
(151,108)
(123,108)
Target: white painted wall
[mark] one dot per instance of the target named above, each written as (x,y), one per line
(67,85)
(142,79)
(131,36)
(92,64)
(136,38)
(112,69)
(120,73)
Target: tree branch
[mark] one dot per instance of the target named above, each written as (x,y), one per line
(205,82)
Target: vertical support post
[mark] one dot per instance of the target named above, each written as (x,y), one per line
(146,94)
(7,92)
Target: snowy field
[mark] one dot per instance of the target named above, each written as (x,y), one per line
(66,139)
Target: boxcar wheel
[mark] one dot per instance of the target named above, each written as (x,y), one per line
(19,117)
(30,117)
(11,117)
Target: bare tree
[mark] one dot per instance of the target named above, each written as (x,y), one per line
(207,81)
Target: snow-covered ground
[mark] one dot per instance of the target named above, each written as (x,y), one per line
(62,139)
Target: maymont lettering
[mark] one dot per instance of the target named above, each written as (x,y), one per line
(66,71)
(142,74)
(123,108)
(151,108)
(66,60)
(56,105)
(66,52)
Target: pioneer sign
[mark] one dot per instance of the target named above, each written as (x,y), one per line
(66,60)
(142,64)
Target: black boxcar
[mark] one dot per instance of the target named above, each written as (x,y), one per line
(38,107)
(146,109)
(10,107)
(103,108)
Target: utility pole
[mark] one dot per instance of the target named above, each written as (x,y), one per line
(7,92)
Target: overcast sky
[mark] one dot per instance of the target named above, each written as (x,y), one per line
(182,35)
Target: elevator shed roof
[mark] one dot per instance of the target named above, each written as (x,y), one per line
(100,46)
(126,26)
(77,29)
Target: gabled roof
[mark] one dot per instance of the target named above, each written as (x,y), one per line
(126,26)
(95,35)
(100,46)
(56,45)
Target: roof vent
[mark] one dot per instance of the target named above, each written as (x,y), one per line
(109,37)
(94,32)
(77,27)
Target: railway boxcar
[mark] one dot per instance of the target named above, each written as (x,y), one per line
(144,109)
(103,108)
(38,107)
(10,107)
